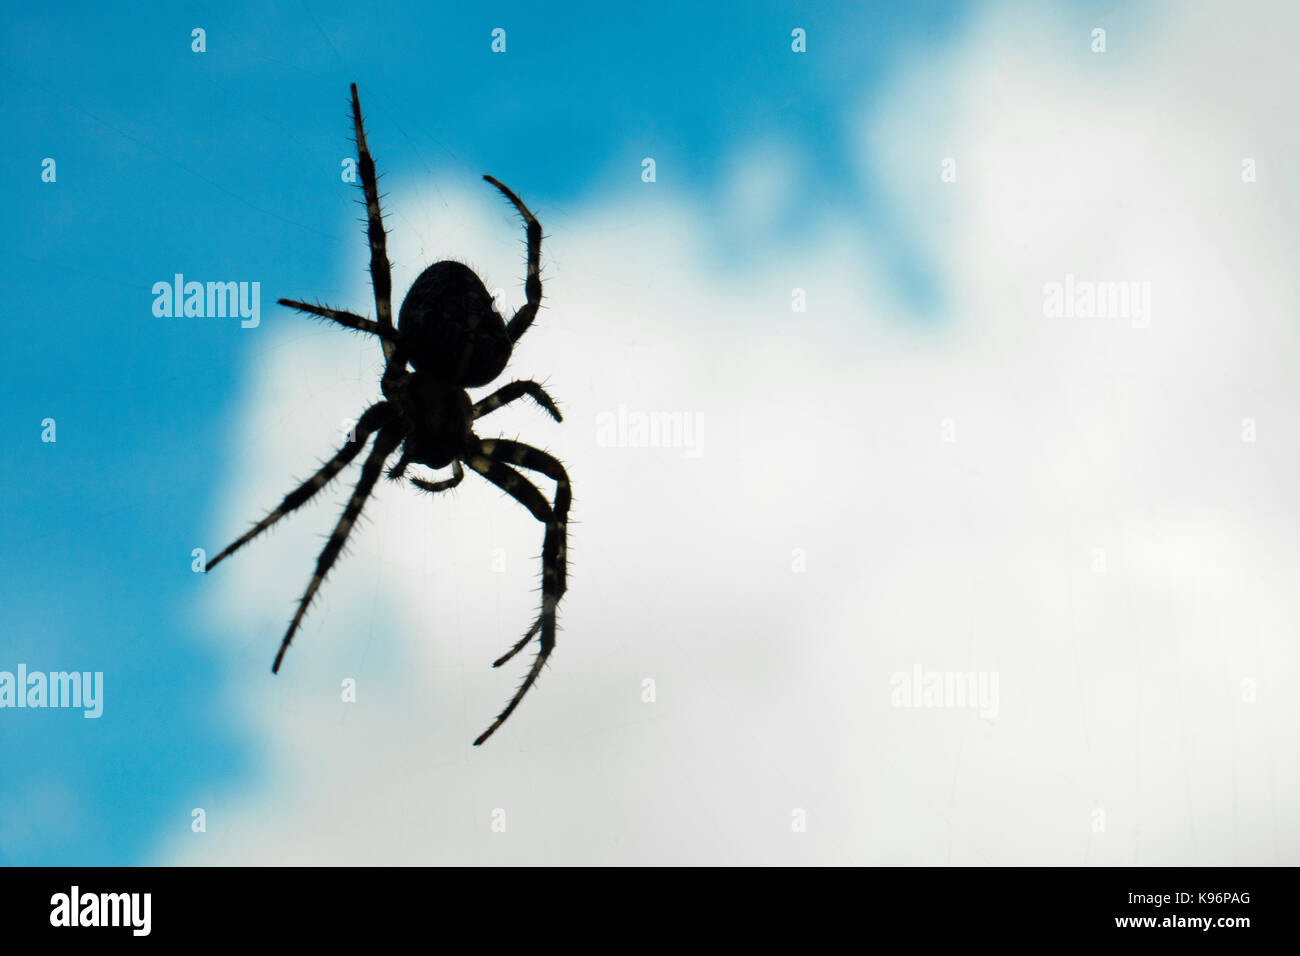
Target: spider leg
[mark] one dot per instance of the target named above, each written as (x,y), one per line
(373,418)
(348,319)
(519,644)
(508,393)
(380,273)
(399,469)
(518,325)
(555,544)
(457,476)
(526,493)
(385,443)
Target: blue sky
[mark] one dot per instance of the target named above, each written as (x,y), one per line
(1120,693)
(225,165)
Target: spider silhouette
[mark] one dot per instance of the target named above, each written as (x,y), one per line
(452,337)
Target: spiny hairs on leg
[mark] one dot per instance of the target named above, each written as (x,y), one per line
(342,317)
(554,571)
(529,680)
(385,444)
(520,644)
(380,272)
(522,319)
(515,390)
(555,543)
(371,420)
(433,487)
(491,463)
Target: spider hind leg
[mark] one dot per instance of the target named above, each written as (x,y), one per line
(385,444)
(370,421)
(555,545)
(490,462)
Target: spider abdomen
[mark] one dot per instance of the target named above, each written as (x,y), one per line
(451,328)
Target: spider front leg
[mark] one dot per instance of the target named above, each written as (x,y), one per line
(515,390)
(347,319)
(380,271)
(526,493)
(386,443)
(373,418)
(518,325)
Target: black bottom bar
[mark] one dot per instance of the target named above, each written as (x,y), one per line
(1230,906)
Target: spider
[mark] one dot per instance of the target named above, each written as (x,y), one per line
(451,335)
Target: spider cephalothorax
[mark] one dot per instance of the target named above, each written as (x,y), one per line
(452,337)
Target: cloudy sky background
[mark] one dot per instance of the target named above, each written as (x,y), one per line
(1097,533)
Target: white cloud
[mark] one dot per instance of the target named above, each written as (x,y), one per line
(1119,690)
